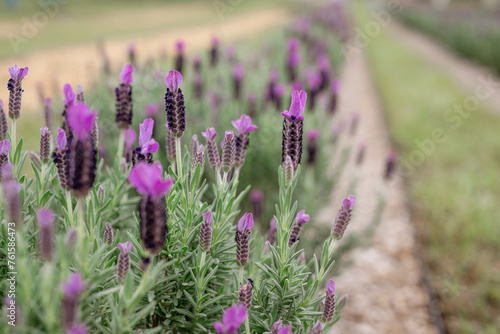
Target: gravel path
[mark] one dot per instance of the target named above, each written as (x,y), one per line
(467,73)
(384,278)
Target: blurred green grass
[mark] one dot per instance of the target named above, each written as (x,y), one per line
(455,192)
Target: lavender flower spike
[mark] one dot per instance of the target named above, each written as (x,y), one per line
(148,181)
(179,60)
(244,126)
(212,149)
(300,221)
(194,145)
(78,329)
(170,145)
(4,125)
(108,234)
(232,320)
(123,94)
(60,158)
(329,309)
(228,152)
(245,294)
(72,289)
(174,104)
(317,328)
(48,114)
(206,231)
(15,87)
(343,217)
(199,158)
(4,154)
(242,239)
(147,145)
(279,328)
(46,236)
(288,171)
(11,196)
(123,265)
(69,100)
(293,128)
(45,145)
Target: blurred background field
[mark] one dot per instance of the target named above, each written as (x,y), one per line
(454,192)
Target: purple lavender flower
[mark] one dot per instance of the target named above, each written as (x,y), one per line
(293,128)
(193,148)
(312,145)
(197,65)
(199,158)
(238,73)
(343,217)
(124,98)
(206,231)
(228,152)
(148,181)
(278,91)
(15,87)
(60,158)
(4,154)
(123,264)
(129,140)
(324,71)
(273,80)
(243,239)
(78,329)
(212,149)
(72,289)
(147,145)
(214,52)
(45,145)
(342,302)
(46,236)
(390,165)
(279,328)
(293,58)
(82,156)
(4,125)
(288,171)
(35,159)
(244,127)
(314,84)
(80,97)
(152,109)
(300,221)
(256,197)
(108,234)
(179,60)
(245,294)
(48,114)
(232,320)
(329,308)
(69,100)
(132,54)
(174,104)
(11,196)
(170,145)
(317,328)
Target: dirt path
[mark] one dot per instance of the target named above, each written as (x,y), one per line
(79,64)
(465,72)
(384,279)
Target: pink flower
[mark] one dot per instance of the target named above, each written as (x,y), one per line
(130,136)
(330,288)
(45,217)
(126,76)
(232,320)
(302,218)
(173,80)
(179,45)
(228,135)
(313,135)
(209,134)
(273,224)
(4,147)
(74,285)
(348,203)
(297,107)
(18,73)
(78,329)
(81,120)
(152,109)
(69,95)
(147,144)
(125,247)
(207,217)
(244,125)
(61,138)
(148,180)
(44,131)
(245,223)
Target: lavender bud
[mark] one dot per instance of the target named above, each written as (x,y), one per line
(342,302)
(82,164)
(170,145)
(4,155)
(123,261)
(312,146)
(206,231)
(108,234)
(241,147)
(199,158)
(213,154)
(60,158)
(80,97)
(12,200)
(48,114)
(78,329)
(228,152)
(194,145)
(321,306)
(292,141)
(329,309)
(101,194)
(174,105)
(198,87)
(316,329)
(343,217)
(288,171)
(95,134)
(242,239)
(123,106)
(245,294)
(390,165)
(300,221)
(15,88)
(153,229)
(214,52)
(179,58)
(251,105)
(46,237)
(72,289)
(35,158)
(45,145)
(4,125)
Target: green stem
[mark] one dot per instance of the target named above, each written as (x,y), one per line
(14,144)
(247,324)
(69,205)
(121,144)
(240,280)
(82,249)
(178,157)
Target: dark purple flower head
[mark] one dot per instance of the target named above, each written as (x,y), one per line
(302,218)
(209,134)
(330,288)
(147,144)
(61,140)
(232,320)
(313,135)
(74,285)
(45,217)
(348,203)
(125,247)
(296,85)
(244,125)
(130,137)
(126,77)
(81,120)
(238,72)
(245,223)
(173,80)
(180,45)
(69,95)
(4,147)
(148,180)
(18,73)
(152,109)
(297,107)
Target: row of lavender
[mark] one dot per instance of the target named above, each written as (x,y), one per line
(93,255)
